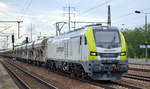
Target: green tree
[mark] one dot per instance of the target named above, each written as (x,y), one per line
(134,38)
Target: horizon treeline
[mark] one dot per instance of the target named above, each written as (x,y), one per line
(136,37)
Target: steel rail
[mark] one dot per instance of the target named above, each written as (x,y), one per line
(126,85)
(148,77)
(142,70)
(35,77)
(138,77)
(139,64)
(13,74)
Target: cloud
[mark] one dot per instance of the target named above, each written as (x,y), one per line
(3,8)
(43,22)
(3,5)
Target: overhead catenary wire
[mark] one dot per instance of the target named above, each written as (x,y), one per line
(24,5)
(95,7)
(66,2)
(8,21)
(129,14)
(78,2)
(77,5)
(57,2)
(25,9)
(145,9)
(5,29)
(123,16)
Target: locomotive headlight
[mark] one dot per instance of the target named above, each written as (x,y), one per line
(93,53)
(122,53)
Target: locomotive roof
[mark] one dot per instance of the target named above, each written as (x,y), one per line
(105,27)
(81,31)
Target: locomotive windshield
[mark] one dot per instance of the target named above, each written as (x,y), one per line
(107,38)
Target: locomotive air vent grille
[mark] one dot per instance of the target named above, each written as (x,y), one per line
(108,55)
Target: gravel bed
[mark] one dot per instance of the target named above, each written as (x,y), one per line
(63,82)
(57,80)
(138,73)
(138,83)
(139,66)
(117,86)
(139,61)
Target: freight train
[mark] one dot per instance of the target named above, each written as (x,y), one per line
(94,51)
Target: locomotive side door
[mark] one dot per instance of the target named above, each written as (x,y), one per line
(83,48)
(75,51)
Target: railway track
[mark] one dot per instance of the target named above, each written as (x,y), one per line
(142,70)
(138,77)
(139,64)
(102,84)
(89,81)
(66,75)
(20,83)
(115,85)
(26,79)
(125,85)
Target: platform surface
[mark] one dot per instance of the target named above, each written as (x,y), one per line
(139,61)
(6,82)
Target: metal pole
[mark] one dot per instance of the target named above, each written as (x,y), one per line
(109,16)
(31,32)
(18,29)
(146,54)
(146,51)
(56,30)
(74,25)
(7,42)
(69,17)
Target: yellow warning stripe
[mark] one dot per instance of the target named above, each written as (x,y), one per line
(91,43)
(123,46)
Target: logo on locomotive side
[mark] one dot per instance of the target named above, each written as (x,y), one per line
(60,49)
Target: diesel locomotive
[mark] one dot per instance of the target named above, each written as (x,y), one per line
(94,51)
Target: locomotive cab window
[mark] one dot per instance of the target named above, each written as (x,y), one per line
(107,38)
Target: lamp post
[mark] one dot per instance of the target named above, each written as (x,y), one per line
(146,43)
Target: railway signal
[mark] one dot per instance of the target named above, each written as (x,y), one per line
(13,41)
(27,39)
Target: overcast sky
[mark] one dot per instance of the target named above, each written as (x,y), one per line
(44,13)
